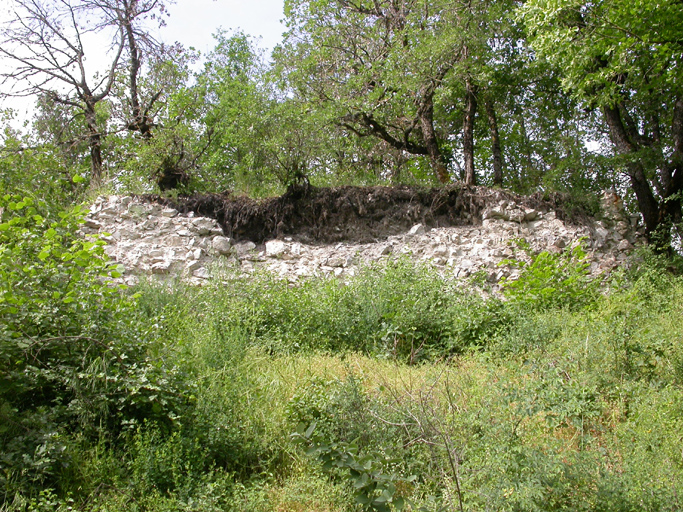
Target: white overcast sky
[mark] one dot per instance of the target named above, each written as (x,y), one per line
(193,23)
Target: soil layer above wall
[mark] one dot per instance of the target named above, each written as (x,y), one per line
(356,214)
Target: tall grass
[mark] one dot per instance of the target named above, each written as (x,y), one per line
(401,390)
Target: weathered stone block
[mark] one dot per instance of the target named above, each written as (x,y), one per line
(222,245)
(202,225)
(417,229)
(275,248)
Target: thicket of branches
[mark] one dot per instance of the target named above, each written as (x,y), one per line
(360,91)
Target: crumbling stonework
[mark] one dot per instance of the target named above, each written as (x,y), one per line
(153,240)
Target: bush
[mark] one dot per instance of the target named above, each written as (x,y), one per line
(30,168)
(549,280)
(340,425)
(73,358)
(397,309)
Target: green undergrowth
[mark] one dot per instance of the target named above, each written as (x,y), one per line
(394,310)
(395,390)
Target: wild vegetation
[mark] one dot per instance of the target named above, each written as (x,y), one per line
(556,95)
(397,389)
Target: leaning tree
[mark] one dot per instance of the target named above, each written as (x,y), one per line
(411,73)
(377,65)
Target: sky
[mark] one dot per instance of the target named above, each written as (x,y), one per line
(193,23)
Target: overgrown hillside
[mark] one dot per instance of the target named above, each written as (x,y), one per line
(398,390)
(387,388)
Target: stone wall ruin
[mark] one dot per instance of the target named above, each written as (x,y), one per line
(150,239)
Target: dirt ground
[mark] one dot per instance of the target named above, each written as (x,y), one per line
(354,214)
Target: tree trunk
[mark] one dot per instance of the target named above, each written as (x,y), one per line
(527,166)
(95,142)
(671,212)
(140,121)
(468,132)
(426,115)
(647,203)
(495,144)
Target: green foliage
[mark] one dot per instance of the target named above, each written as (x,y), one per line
(622,57)
(161,463)
(366,69)
(137,162)
(374,489)
(374,71)
(407,391)
(73,358)
(566,408)
(637,39)
(230,100)
(336,425)
(551,280)
(27,168)
(397,309)
(214,345)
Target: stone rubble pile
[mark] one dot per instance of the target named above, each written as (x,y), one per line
(152,240)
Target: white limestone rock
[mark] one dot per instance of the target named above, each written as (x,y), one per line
(203,225)
(275,248)
(530,215)
(625,246)
(244,248)
(150,239)
(417,229)
(201,273)
(222,245)
(191,266)
(161,267)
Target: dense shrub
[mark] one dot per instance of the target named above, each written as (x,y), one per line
(73,358)
(397,309)
(550,280)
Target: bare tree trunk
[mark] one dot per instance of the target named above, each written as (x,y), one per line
(426,115)
(495,144)
(95,142)
(671,179)
(140,121)
(647,203)
(468,132)
(672,207)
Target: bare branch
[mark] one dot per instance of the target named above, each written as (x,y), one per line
(44,42)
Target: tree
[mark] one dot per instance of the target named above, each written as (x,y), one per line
(241,130)
(376,65)
(159,146)
(411,73)
(495,143)
(29,167)
(214,128)
(625,59)
(234,111)
(130,16)
(46,42)
(543,131)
